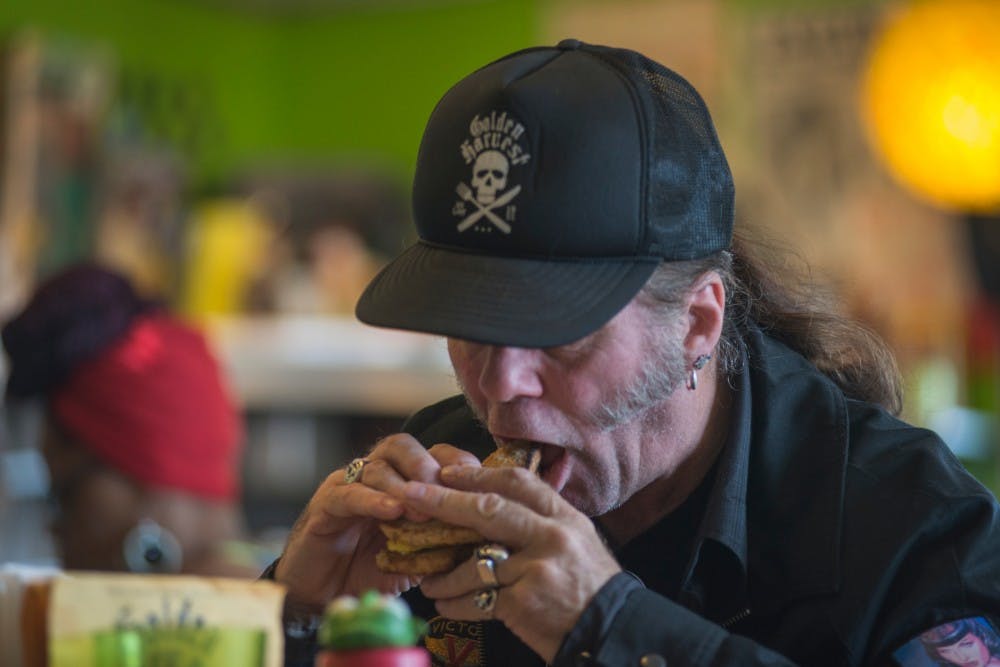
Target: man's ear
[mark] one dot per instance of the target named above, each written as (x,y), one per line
(706,309)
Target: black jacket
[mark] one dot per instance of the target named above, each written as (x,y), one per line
(832,533)
(829,533)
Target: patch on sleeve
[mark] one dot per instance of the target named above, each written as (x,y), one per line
(455,643)
(970,642)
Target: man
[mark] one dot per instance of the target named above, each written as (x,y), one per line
(722,480)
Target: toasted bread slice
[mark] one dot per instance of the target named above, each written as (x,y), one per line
(405,535)
(517,455)
(423,562)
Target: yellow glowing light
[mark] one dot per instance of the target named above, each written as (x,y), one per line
(931,101)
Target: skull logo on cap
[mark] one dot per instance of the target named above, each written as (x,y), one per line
(496,143)
(489,175)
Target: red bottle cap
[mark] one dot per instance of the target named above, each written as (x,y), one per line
(407,656)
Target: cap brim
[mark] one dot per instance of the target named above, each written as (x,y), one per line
(501,300)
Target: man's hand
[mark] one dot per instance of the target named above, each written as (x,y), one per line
(331,549)
(557,560)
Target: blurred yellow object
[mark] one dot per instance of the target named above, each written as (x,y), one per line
(931,101)
(228,243)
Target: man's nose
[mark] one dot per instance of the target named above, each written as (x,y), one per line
(510,373)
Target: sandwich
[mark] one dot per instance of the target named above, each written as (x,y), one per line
(420,548)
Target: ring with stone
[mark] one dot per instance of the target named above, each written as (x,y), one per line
(496,552)
(486,567)
(486,600)
(354,470)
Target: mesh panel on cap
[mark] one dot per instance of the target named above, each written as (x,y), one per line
(689,191)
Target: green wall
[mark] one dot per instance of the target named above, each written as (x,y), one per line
(351,83)
(344,80)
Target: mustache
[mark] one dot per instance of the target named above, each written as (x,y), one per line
(660,378)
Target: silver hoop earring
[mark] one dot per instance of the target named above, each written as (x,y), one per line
(149,547)
(699,363)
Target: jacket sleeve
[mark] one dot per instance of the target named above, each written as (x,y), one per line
(627,624)
(300,646)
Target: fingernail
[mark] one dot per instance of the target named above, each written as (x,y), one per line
(389,503)
(455,471)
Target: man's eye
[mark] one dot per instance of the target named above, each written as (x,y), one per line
(569,349)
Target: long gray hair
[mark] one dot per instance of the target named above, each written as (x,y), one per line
(763,289)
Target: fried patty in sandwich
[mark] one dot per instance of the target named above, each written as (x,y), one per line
(428,547)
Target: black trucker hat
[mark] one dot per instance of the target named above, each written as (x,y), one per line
(549,185)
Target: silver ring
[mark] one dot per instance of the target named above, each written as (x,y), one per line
(496,552)
(486,567)
(486,600)
(354,470)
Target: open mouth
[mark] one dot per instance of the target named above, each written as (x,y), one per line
(551,454)
(554,465)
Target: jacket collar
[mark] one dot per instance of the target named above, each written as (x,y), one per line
(723,528)
(797,468)
(777,499)
(725,519)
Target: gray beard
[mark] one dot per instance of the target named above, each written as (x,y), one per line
(659,379)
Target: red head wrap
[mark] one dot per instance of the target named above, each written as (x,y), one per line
(153,405)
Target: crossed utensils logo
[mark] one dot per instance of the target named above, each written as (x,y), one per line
(489,176)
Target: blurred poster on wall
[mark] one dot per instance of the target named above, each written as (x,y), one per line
(86,172)
(55,94)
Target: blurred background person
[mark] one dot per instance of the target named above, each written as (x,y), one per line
(141,438)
